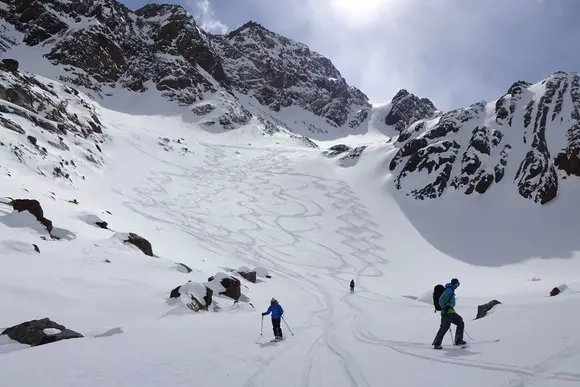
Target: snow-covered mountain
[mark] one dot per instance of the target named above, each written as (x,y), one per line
(102,46)
(528,139)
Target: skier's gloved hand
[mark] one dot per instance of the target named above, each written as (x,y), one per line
(263,314)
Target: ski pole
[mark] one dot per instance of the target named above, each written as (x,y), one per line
(451,334)
(470,338)
(262,326)
(287,325)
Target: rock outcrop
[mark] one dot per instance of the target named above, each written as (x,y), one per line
(226,285)
(141,243)
(32,206)
(483,309)
(407,108)
(40,332)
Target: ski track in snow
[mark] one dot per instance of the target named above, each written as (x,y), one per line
(335,315)
(355,226)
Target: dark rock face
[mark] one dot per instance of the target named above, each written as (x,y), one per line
(10,64)
(469,149)
(33,206)
(231,285)
(554,292)
(280,72)
(102,224)
(175,293)
(141,243)
(408,108)
(250,276)
(33,332)
(483,309)
(335,150)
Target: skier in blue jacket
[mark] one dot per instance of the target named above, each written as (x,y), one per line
(276,309)
(449,316)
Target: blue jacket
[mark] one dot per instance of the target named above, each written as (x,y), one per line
(276,310)
(447,299)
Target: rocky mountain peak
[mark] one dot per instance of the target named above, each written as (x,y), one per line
(280,72)
(407,108)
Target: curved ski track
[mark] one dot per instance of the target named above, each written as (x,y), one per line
(334,315)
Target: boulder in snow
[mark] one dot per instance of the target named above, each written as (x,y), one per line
(40,332)
(247,274)
(483,309)
(33,206)
(250,276)
(102,224)
(225,285)
(141,243)
(198,297)
(182,267)
(558,289)
(175,293)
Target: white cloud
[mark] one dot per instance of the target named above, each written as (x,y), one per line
(203,13)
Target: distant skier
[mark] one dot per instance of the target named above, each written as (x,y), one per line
(449,316)
(276,309)
(352,286)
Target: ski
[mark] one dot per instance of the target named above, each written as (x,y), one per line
(463,346)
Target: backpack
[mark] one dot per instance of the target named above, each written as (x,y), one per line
(437,292)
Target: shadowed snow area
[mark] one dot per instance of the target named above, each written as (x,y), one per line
(239,199)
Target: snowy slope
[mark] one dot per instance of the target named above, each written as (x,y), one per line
(215,201)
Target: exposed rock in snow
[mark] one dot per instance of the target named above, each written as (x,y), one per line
(352,157)
(32,206)
(141,243)
(10,64)
(483,309)
(248,275)
(558,289)
(407,108)
(182,267)
(336,150)
(225,285)
(469,149)
(39,332)
(197,296)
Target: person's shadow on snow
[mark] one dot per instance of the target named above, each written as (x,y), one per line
(458,352)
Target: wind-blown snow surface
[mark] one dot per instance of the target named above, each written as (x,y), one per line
(239,199)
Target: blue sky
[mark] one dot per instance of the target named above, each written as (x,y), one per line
(455,52)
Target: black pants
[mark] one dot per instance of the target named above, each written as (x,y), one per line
(276,327)
(446,321)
